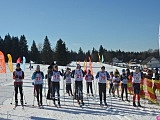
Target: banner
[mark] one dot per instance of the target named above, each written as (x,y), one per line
(19,60)
(150,93)
(90,65)
(159,40)
(2,63)
(85,66)
(23,63)
(10,64)
(99,57)
(102,58)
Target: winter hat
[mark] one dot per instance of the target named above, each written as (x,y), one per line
(18,65)
(38,67)
(123,70)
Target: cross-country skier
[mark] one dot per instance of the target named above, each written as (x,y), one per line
(136,79)
(111,83)
(37,78)
(55,79)
(49,74)
(124,82)
(102,76)
(67,78)
(89,78)
(116,81)
(18,76)
(78,75)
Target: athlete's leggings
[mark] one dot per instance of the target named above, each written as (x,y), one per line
(39,93)
(16,92)
(102,89)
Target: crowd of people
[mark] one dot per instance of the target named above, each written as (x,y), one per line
(116,80)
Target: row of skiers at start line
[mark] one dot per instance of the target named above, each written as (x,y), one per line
(54,74)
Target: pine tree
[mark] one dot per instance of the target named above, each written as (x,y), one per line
(47,53)
(1,44)
(23,47)
(81,55)
(34,53)
(101,50)
(15,50)
(7,44)
(94,55)
(61,53)
(88,54)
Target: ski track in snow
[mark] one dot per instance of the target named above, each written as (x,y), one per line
(69,110)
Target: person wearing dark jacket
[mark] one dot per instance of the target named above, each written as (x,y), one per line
(49,74)
(18,76)
(124,82)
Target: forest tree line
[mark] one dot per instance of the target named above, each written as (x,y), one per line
(44,53)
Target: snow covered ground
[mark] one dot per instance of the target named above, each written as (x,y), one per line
(69,110)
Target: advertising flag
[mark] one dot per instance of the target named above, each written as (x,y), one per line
(2,63)
(10,64)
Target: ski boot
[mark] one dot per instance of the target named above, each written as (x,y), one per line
(139,105)
(134,104)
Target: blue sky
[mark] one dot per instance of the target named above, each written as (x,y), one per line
(128,25)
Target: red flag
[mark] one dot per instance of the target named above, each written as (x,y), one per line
(19,60)
(90,65)
(2,63)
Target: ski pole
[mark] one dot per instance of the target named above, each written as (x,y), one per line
(73,86)
(45,87)
(64,91)
(33,100)
(88,100)
(12,98)
(34,92)
(111,100)
(96,87)
(24,98)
